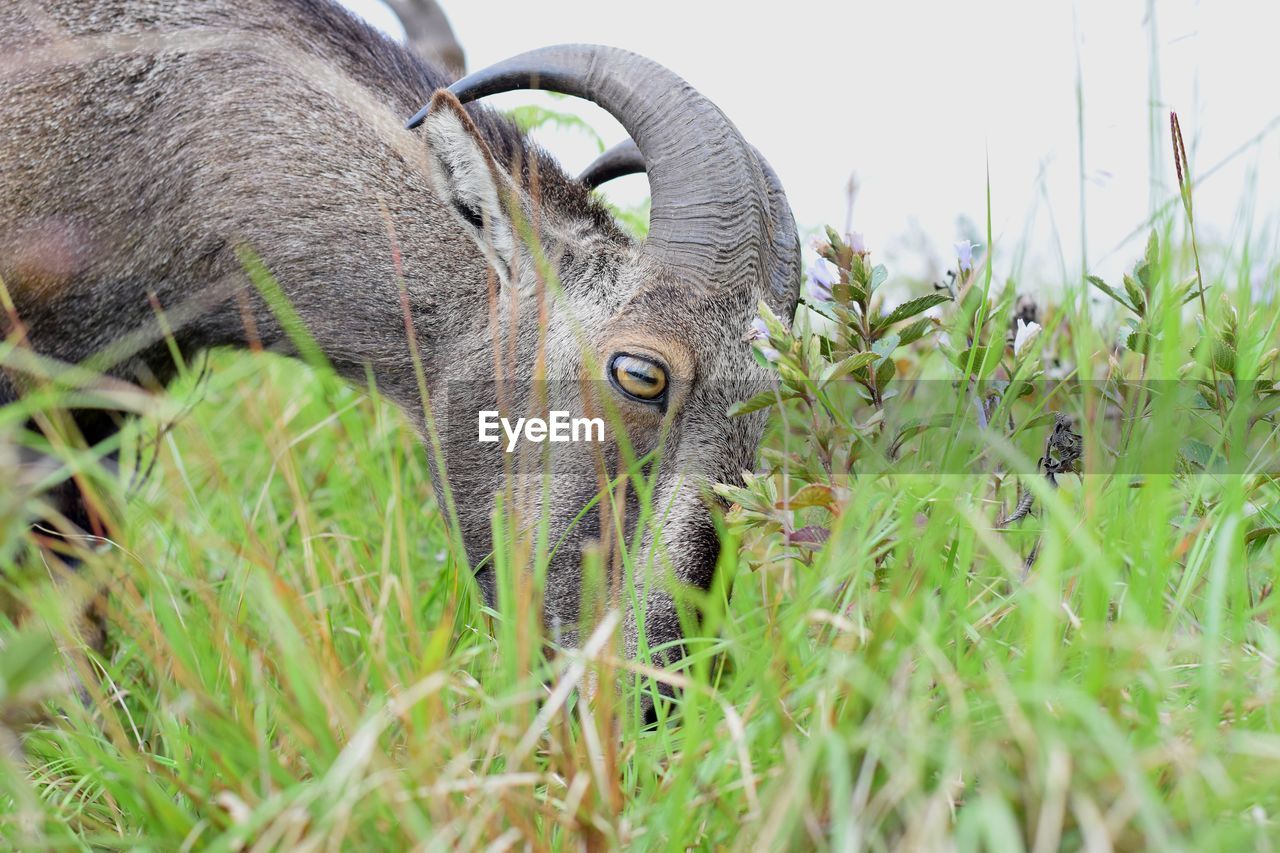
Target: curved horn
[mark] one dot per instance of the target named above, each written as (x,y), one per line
(710,205)
(784,268)
(619,161)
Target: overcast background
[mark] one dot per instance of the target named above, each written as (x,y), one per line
(919,99)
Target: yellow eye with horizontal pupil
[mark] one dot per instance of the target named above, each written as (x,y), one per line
(639,377)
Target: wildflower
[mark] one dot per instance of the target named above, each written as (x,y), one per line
(758,334)
(816,291)
(822,276)
(964,253)
(857,242)
(1026,333)
(824,272)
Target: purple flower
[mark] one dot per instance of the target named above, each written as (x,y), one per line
(822,276)
(964,252)
(824,272)
(758,334)
(857,242)
(815,291)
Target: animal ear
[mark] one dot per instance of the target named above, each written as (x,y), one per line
(470,182)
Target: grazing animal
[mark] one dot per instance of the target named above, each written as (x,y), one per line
(146,145)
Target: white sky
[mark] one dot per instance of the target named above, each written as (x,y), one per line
(918,98)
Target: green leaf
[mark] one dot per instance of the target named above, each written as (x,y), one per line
(916,426)
(860,280)
(1137,298)
(1224,356)
(1150,260)
(879,275)
(885,373)
(1259,534)
(813,494)
(886,345)
(985,360)
(1197,452)
(1041,420)
(848,365)
(1110,291)
(1138,341)
(809,537)
(532,116)
(911,308)
(733,494)
(763,400)
(914,332)
(877,418)
(1267,403)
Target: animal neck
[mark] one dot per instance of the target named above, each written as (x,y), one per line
(137,214)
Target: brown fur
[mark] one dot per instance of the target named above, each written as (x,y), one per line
(143,141)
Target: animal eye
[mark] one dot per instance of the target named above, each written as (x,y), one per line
(638,377)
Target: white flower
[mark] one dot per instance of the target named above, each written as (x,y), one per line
(964,253)
(1027,332)
(857,242)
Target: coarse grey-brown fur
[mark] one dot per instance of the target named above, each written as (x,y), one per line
(145,143)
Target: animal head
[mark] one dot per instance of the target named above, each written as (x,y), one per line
(515,282)
(648,335)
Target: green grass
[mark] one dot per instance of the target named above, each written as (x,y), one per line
(296,658)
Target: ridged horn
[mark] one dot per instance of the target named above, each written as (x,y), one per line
(784,269)
(710,206)
(619,161)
